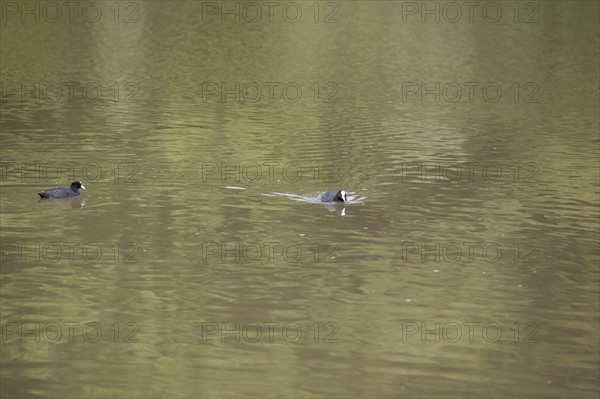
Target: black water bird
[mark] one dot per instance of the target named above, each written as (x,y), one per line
(60,192)
(334,196)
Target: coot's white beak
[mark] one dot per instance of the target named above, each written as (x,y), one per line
(344,196)
(82,186)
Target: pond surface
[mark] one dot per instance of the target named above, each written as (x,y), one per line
(199,262)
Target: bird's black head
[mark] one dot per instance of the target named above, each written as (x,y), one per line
(340,196)
(76,185)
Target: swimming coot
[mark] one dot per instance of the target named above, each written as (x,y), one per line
(334,196)
(59,192)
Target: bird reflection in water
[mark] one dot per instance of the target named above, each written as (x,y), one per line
(337,207)
(74,202)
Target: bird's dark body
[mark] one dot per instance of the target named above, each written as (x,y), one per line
(60,192)
(334,196)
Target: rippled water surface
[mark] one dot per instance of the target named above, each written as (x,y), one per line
(200,263)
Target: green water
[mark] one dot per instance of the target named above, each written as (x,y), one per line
(197,263)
